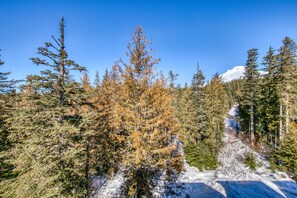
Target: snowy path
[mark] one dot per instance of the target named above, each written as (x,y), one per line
(231,179)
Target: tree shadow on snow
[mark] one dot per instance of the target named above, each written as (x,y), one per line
(233,189)
(289,188)
(193,190)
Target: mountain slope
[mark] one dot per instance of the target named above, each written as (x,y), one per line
(231,179)
(235,73)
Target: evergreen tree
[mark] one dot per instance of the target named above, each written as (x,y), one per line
(45,129)
(234,89)
(268,102)
(247,108)
(286,75)
(188,117)
(6,85)
(198,151)
(284,157)
(217,104)
(199,100)
(87,147)
(173,91)
(146,121)
(108,141)
(172,78)
(7,98)
(201,113)
(97,80)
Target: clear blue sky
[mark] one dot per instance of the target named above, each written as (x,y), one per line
(215,33)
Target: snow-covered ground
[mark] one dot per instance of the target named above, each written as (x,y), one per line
(108,188)
(231,179)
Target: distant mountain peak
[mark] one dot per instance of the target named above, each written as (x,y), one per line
(235,73)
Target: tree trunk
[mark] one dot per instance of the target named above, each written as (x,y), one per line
(281,121)
(61,84)
(138,188)
(62,57)
(287,115)
(87,169)
(252,126)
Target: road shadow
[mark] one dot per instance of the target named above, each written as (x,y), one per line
(193,190)
(248,189)
(289,188)
(233,189)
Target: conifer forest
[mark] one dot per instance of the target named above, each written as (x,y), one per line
(60,135)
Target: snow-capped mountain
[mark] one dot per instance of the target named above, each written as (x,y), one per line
(233,74)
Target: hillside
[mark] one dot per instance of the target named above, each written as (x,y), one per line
(232,179)
(235,73)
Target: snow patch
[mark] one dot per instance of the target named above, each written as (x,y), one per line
(108,188)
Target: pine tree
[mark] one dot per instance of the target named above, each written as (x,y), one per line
(45,130)
(97,80)
(196,109)
(217,104)
(199,100)
(234,91)
(286,75)
(146,120)
(172,77)
(268,102)
(6,85)
(108,141)
(191,111)
(284,157)
(173,91)
(87,147)
(198,151)
(7,98)
(250,90)
(188,117)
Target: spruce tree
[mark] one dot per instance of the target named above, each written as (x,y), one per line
(217,105)
(284,156)
(172,78)
(87,146)
(7,99)
(97,80)
(45,131)
(234,89)
(188,117)
(268,102)
(6,85)
(199,152)
(250,93)
(286,78)
(199,100)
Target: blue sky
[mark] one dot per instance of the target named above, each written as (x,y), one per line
(215,33)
